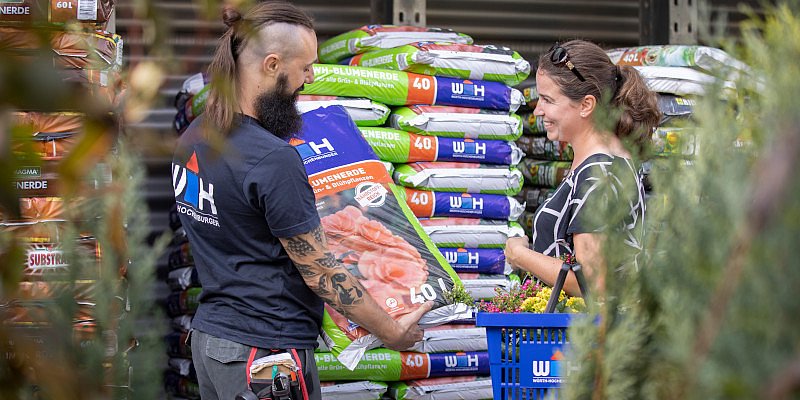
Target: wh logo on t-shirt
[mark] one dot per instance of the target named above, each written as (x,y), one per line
(193,195)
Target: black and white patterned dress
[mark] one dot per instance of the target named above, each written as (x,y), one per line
(578,202)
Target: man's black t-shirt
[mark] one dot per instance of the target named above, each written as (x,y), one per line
(234,203)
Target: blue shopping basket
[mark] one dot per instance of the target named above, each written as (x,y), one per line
(526,349)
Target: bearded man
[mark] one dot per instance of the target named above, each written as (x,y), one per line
(249,213)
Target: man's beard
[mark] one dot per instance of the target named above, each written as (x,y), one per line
(276,110)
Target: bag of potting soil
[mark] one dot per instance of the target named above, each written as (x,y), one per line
(530,95)
(183,302)
(362,390)
(427,204)
(709,59)
(444,388)
(680,81)
(461,122)
(181,386)
(460,177)
(181,323)
(398,88)
(671,141)
(48,261)
(403,147)
(370,230)
(465,61)
(470,232)
(93,13)
(544,173)
(364,112)
(39,122)
(481,286)
(374,37)
(98,50)
(452,338)
(532,125)
(177,346)
(526,220)
(532,197)
(482,261)
(541,148)
(391,366)
(183,367)
(674,108)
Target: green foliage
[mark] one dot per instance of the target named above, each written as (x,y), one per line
(711,312)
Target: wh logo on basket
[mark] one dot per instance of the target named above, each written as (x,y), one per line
(550,367)
(193,196)
(312,151)
(468,88)
(466,202)
(462,256)
(469,147)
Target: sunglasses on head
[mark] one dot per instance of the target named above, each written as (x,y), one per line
(559,56)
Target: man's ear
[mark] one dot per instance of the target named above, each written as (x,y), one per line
(270,64)
(588,104)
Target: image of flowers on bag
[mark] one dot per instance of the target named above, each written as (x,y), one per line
(530,296)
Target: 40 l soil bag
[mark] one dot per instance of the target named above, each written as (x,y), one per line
(398,88)
(470,232)
(370,230)
(539,147)
(391,366)
(374,37)
(364,112)
(427,204)
(403,147)
(444,388)
(487,62)
(545,173)
(460,177)
(461,122)
(482,261)
(708,59)
(362,390)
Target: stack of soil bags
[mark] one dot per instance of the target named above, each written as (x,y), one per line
(63,266)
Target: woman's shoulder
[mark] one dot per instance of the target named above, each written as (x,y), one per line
(602,164)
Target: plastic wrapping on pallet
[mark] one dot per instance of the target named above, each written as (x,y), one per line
(461,122)
(445,388)
(397,88)
(361,390)
(460,177)
(427,204)
(371,230)
(470,232)
(465,61)
(390,366)
(403,147)
(374,37)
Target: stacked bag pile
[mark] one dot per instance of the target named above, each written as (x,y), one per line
(679,74)
(64,40)
(449,137)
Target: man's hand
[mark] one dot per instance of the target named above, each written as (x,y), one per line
(408,329)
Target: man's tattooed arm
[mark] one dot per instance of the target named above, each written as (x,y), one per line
(331,281)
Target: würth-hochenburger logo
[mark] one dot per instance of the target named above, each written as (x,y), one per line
(193,195)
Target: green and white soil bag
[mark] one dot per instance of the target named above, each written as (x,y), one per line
(483,286)
(390,366)
(444,388)
(398,88)
(375,37)
(709,59)
(544,173)
(541,148)
(532,124)
(452,338)
(370,229)
(681,81)
(460,177)
(364,112)
(428,204)
(399,146)
(486,62)
(460,122)
(361,390)
(470,232)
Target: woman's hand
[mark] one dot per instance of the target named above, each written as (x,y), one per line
(515,249)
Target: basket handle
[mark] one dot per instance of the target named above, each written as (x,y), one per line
(559,284)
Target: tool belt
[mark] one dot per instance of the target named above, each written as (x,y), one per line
(277,376)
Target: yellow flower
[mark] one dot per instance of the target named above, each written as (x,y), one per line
(576,304)
(534,304)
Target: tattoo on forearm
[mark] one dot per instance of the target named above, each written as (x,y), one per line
(328,261)
(347,295)
(318,234)
(305,269)
(299,246)
(323,289)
